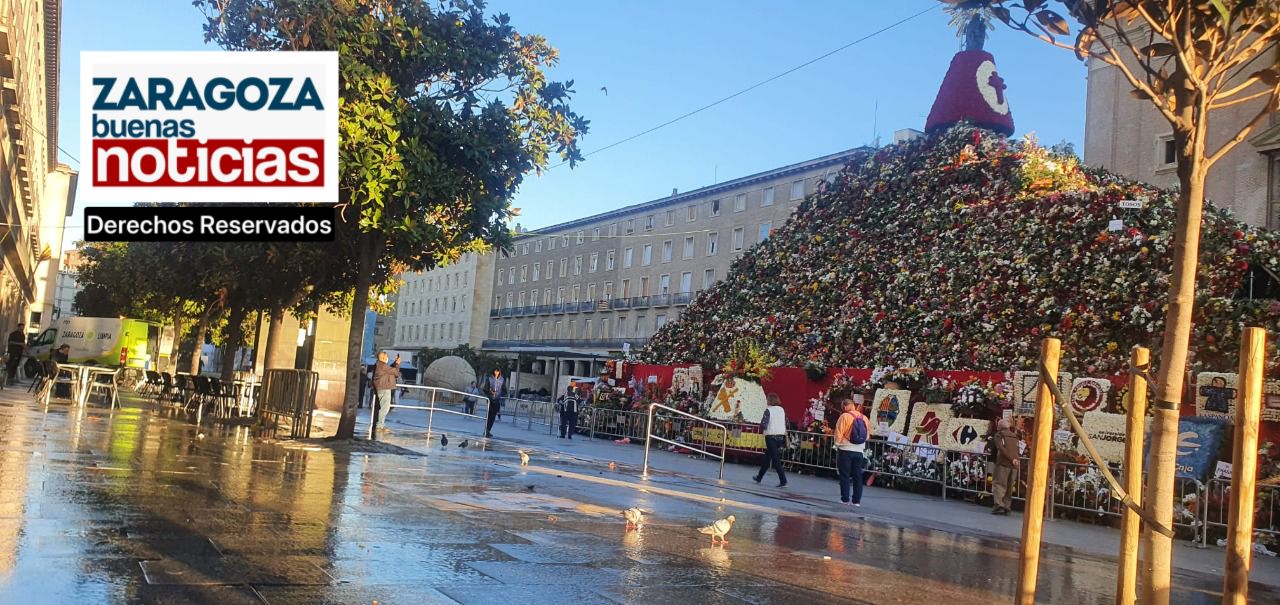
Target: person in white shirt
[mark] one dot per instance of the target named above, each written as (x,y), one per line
(774,427)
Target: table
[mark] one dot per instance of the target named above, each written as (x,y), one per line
(246,398)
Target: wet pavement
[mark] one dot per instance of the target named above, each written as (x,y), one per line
(131,505)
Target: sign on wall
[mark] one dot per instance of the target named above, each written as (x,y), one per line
(1026,385)
(889,411)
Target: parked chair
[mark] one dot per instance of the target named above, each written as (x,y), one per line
(62,376)
(104,383)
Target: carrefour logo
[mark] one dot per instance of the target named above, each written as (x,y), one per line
(209,126)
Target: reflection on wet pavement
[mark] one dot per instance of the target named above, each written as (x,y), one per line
(130,506)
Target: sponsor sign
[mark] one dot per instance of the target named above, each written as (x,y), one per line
(889,411)
(1027,383)
(1199,441)
(209,127)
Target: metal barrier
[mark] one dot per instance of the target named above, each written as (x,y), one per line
(432,393)
(535,412)
(290,394)
(1266,512)
(649,437)
(617,424)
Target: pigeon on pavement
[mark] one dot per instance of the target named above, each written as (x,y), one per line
(524,458)
(444,440)
(634,516)
(464,443)
(719,529)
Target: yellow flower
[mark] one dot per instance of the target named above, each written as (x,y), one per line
(1113,345)
(1115,316)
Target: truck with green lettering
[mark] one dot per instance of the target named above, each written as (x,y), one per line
(106,341)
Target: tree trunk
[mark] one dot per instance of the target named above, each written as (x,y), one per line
(201,329)
(177,341)
(1158,549)
(367,247)
(276,339)
(235,335)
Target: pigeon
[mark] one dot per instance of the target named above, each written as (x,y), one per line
(634,516)
(530,487)
(464,443)
(524,458)
(718,529)
(605,90)
(444,440)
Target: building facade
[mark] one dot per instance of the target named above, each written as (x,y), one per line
(35,190)
(67,285)
(568,297)
(445,307)
(1128,136)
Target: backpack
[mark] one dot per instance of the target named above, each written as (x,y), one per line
(858,432)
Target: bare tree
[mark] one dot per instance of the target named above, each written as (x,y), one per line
(1188,58)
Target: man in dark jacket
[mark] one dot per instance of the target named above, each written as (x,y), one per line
(494,387)
(568,413)
(1006,473)
(17,346)
(384,381)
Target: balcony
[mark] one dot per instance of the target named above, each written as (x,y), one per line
(661,300)
(620,303)
(495,312)
(681,298)
(594,343)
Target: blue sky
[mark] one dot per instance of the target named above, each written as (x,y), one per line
(659,60)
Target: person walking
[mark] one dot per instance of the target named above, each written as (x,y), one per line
(851,434)
(384,381)
(17,346)
(774,427)
(494,386)
(469,402)
(568,414)
(1006,472)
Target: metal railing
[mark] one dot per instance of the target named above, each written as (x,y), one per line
(432,393)
(649,437)
(535,412)
(289,394)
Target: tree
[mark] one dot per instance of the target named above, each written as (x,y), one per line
(1189,59)
(443,111)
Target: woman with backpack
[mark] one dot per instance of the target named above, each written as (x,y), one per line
(852,430)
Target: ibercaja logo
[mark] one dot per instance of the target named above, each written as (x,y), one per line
(209,126)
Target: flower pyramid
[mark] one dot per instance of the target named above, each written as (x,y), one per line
(961,251)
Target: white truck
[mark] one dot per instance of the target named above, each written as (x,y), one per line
(108,341)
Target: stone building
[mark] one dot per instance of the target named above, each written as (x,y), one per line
(569,296)
(444,307)
(35,190)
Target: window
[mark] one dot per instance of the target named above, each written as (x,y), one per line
(666,251)
(595,262)
(688,248)
(708,278)
(581,236)
(586,330)
(591,292)
(626,288)
(577,293)
(622,325)
(520,300)
(546,296)
(646,257)
(524,249)
(560,295)
(551,269)
(519,331)
(659,321)
(1166,152)
(595,234)
(551,243)
(640,324)
(511,276)
(644,286)
(613,230)
(648,223)
(664,283)
(737,238)
(713,243)
(797,190)
(766,198)
(577,265)
(608,290)
(604,328)
(557,329)
(608,260)
(564,267)
(524,273)
(509,300)
(536,270)
(573,328)
(692,214)
(564,240)
(502,275)
(544,329)
(671,218)
(765,230)
(631,226)
(686,282)
(740,202)
(715,207)
(627,257)
(537,246)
